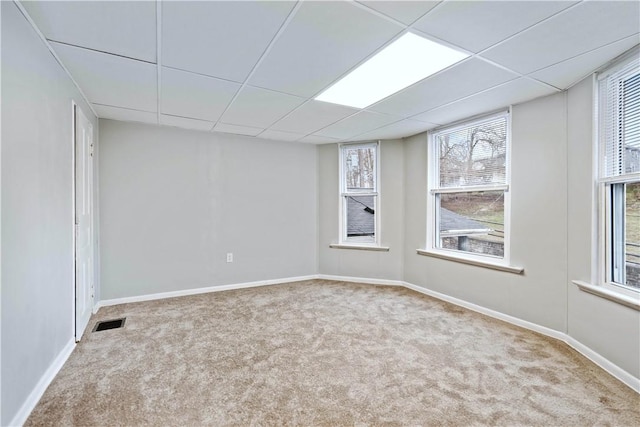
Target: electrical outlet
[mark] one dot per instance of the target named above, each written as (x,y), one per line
(229,257)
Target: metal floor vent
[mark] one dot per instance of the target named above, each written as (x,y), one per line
(109,324)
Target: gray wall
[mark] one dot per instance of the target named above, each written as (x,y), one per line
(551,232)
(37,215)
(538,223)
(360,263)
(174,202)
(608,328)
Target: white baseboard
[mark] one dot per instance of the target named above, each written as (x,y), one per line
(361,280)
(613,369)
(634,383)
(488,312)
(196,291)
(604,363)
(23,413)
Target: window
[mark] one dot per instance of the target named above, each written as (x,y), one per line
(468,189)
(619,170)
(359,193)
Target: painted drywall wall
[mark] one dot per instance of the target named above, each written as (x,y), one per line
(538,223)
(37,216)
(175,202)
(352,262)
(610,329)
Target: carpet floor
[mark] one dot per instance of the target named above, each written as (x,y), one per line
(325,353)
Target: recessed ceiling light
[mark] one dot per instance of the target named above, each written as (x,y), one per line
(405,61)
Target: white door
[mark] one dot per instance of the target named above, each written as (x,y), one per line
(83,220)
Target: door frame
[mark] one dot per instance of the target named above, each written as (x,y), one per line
(74,108)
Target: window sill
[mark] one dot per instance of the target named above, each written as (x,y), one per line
(359,247)
(608,294)
(485,264)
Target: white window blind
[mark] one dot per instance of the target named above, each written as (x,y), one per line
(473,154)
(620,120)
(359,168)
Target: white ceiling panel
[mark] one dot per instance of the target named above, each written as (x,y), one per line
(403,11)
(111,80)
(316,139)
(219,38)
(458,81)
(238,130)
(253,67)
(395,130)
(580,29)
(357,124)
(126,28)
(280,136)
(257,107)
(312,116)
(571,71)
(476,25)
(124,114)
(323,41)
(185,122)
(193,95)
(502,96)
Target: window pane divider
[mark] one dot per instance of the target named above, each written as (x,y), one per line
(359,194)
(471,189)
(621,179)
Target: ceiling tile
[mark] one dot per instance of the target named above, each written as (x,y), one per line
(126,28)
(312,116)
(219,38)
(403,11)
(185,122)
(125,114)
(111,80)
(357,124)
(580,29)
(323,41)
(566,73)
(399,129)
(476,25)
(260,107)
(280,136)
(461,80)
(316,139)
(238,130)
(193,95)
(510,93)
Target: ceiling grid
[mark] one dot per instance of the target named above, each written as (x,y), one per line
(254,68)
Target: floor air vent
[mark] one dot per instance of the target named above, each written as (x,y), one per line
(109,324)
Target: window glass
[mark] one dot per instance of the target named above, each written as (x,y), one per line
(632,235)
(472,222)
(359,168)
(361,219)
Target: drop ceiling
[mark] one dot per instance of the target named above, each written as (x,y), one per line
(254,67)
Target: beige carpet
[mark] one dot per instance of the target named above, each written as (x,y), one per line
(325,353)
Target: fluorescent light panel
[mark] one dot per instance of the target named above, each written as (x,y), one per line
(407,60)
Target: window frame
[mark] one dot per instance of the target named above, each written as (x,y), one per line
(344,193)
(433,190)
(605,200)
